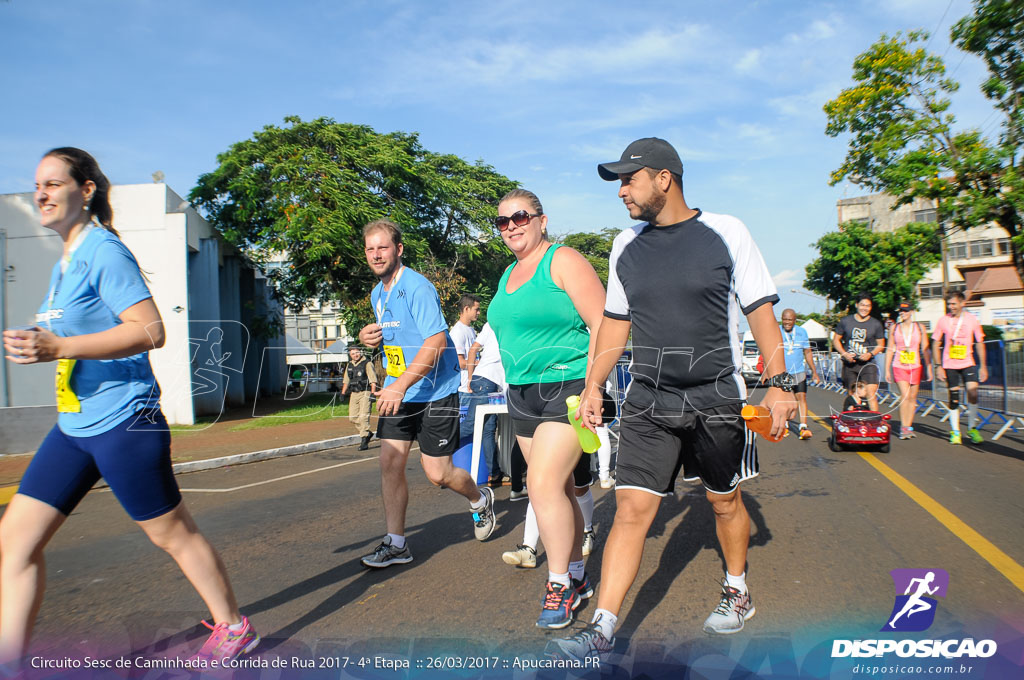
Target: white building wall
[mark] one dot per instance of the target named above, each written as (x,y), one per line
(160,229)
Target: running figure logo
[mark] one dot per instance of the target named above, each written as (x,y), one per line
(914,610)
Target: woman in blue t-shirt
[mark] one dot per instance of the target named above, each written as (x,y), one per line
(98,322)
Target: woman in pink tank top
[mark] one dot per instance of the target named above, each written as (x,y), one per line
(906,359)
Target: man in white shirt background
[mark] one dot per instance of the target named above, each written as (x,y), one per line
(463,335)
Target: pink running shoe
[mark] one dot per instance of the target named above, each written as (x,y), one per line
(225,644)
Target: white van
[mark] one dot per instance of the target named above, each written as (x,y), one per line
(750,355)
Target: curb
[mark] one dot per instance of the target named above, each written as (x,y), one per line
(267,454)
(234,459)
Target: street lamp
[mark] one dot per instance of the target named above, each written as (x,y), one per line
(819,297)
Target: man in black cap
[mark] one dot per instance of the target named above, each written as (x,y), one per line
(679,281)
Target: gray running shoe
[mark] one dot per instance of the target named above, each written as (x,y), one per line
(483,519)
(519,495)
(732,611)
(588,642)
(385,554)
(523,556)
(589,542)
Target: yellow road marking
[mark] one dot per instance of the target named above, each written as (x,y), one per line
(7,493)
(1002,562)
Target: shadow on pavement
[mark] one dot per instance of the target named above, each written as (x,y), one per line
(695,533)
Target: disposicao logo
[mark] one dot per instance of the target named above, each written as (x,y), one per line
(914,611)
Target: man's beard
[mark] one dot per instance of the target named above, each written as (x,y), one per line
(649,212)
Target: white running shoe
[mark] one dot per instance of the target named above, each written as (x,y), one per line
(732,611)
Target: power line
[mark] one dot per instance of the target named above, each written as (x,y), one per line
(937,26)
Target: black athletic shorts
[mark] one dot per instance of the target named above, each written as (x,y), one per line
(801,386)
(857,372)
(961,376)
(712,445)
(581,475)
(536,403)
(433,424)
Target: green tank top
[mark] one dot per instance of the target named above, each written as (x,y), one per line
(540,334)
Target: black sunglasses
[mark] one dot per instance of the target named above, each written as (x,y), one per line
(519,218)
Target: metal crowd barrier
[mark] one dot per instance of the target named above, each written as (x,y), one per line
(1000,396)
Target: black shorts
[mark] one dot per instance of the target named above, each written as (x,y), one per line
(433,424)
(581,475)
(801,387)
(961,376)
(857,372)
(536,403)
(713,445)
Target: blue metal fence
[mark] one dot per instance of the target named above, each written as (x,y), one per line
(1000,396)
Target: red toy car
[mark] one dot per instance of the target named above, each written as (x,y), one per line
(860,428)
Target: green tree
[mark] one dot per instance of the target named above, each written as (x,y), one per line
(305,190)
(885,265)
(902,136)
(595,246)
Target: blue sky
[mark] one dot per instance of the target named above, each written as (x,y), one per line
(543,91)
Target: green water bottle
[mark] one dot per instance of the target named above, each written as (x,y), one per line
(588,439)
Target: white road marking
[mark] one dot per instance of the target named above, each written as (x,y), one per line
(287,476)
(278,479)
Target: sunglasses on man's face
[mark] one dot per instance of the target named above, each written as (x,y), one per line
(519,218)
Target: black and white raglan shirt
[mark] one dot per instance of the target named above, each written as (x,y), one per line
(683,288)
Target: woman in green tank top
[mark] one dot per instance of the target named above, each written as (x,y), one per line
(545,314)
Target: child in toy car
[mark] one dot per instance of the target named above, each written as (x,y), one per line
(858,425)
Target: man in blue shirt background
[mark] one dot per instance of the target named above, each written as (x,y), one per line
(798,357)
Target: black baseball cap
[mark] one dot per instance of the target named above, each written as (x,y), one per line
(649,152)
(906,307)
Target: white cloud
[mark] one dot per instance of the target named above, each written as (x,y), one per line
(818,30)
(473,63)
(788,277)
(808,103)
(756,132)
(750,60)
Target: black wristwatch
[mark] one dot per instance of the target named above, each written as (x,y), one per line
(784,381)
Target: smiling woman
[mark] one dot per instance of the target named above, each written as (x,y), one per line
(100,323)
(545,315)
(69,183)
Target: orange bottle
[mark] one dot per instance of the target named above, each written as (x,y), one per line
(759,419)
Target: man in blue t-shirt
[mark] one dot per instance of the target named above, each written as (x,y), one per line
(797,347)
(418,400)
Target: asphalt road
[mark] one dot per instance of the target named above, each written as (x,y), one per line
(827,529)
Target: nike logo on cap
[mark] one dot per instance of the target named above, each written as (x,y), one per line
(633,158)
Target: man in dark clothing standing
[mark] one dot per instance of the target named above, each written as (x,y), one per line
(858,338)
(360,379)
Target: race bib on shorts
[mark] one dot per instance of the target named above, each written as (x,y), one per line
(67,400)
(396,360)
(958,352)
(908,356)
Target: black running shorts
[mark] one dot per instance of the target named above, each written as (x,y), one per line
(581,475)
(961,376)
(433,424)
(536,403)
(866,373)
(712,445)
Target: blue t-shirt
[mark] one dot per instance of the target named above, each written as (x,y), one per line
(794,343)
(409,314)
(101,281)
